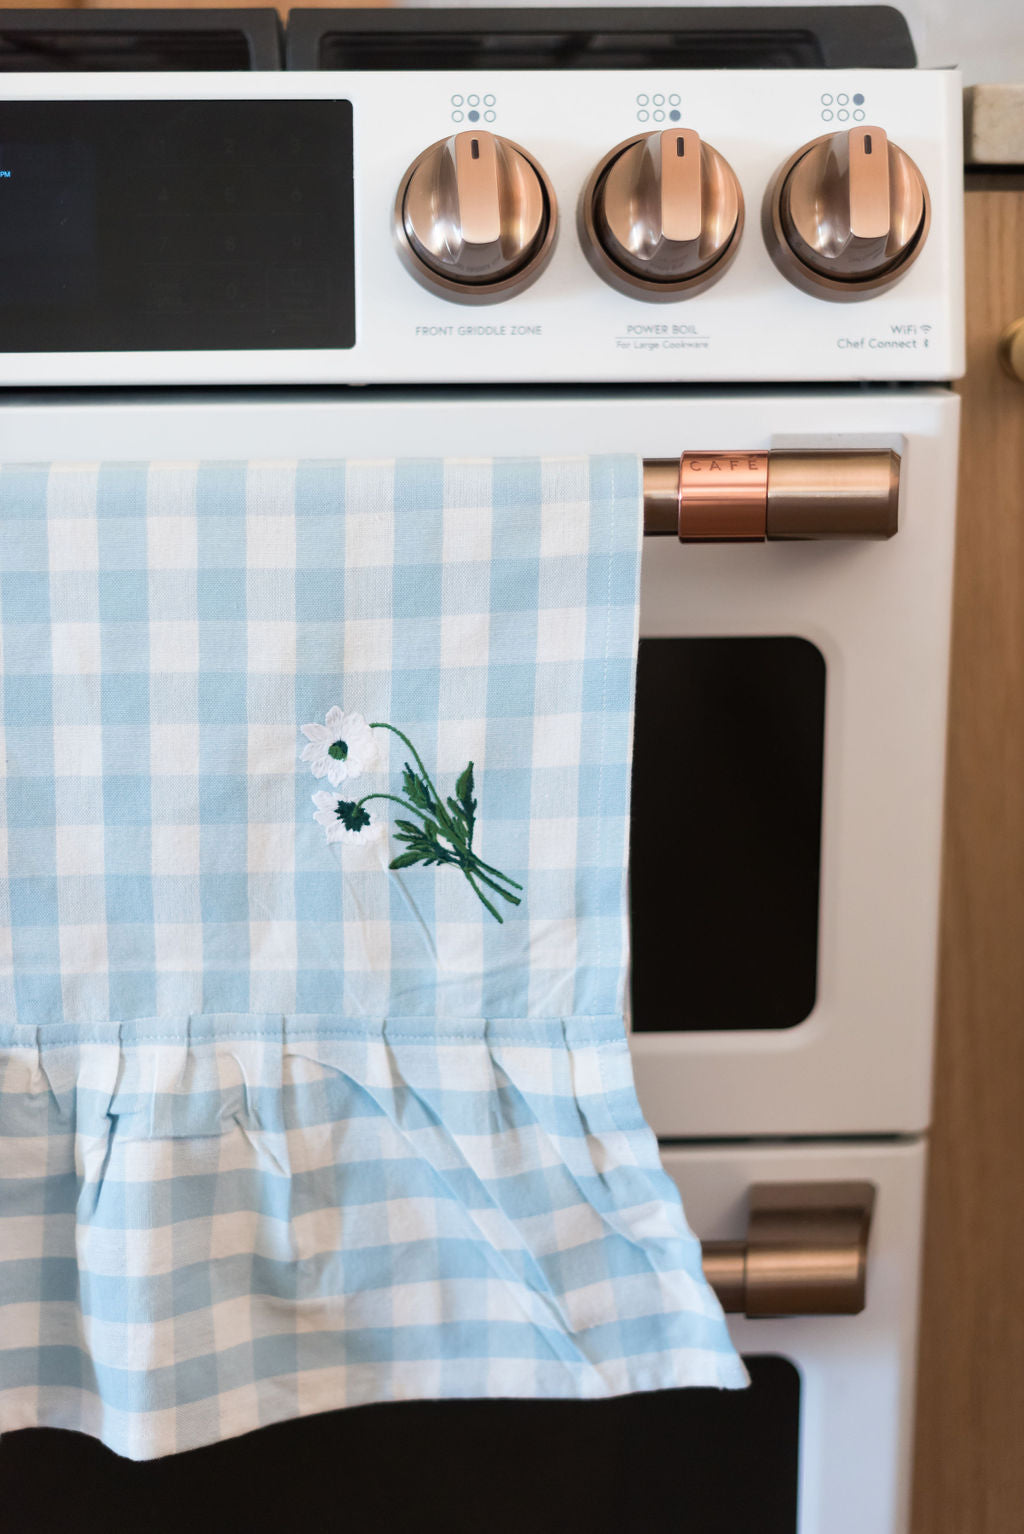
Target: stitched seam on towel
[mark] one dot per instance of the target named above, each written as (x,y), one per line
(384,1038)
(604,685)
(308,1036)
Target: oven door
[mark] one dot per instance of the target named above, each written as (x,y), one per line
(819,1444)
(823,1441)
(790,728)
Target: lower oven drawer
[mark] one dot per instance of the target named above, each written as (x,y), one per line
(819,1444)
(790,728)
(822,1442)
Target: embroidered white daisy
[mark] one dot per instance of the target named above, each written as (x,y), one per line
(345,821)
(340,748)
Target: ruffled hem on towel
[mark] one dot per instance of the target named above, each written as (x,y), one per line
(218,1223)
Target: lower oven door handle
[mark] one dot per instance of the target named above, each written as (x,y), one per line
(805,1252)
(758,497)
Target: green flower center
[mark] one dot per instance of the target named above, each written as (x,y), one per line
(352,816)
(339,751)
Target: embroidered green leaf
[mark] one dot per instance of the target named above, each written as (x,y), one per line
(404,860)
(417,789)
(464,790)
(464,794)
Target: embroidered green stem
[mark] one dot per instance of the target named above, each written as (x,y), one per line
(482,897)
(438,807)
(440,830)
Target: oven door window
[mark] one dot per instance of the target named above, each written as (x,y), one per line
(660,1462)
(726,833)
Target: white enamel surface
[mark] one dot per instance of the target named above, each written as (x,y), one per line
(861,1063)
(570,326)
(857,1372)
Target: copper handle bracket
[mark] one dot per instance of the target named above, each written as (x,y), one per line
(805,1253)
(788,494)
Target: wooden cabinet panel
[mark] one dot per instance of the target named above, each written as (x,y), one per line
(970,1425)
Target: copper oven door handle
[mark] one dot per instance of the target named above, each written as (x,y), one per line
(753,497)
(805,1252)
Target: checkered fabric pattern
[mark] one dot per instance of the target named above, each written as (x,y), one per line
(282,1129)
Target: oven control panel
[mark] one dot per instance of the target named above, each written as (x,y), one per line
(492,227)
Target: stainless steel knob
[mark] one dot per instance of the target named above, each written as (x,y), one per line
(661,216)
(475,218)
(847,215)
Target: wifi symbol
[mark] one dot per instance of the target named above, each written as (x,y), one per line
(925,328)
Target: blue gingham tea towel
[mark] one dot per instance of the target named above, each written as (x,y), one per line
(314,1086)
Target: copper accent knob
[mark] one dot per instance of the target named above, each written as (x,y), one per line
(661,216)
(805,1254)
(475,218)
(847,215)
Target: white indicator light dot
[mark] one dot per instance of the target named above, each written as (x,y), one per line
(826,117)
(490,101)
(473,101)
(642,101)
(457,117)
(659,101)
(674,101)
(642,117)
(826,101)
(489,117)
(858,116)
(456,101)
(842,101)
(659,117)
(844,117)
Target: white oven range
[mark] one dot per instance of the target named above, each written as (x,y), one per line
(792,694)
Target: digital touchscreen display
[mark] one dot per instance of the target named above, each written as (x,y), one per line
(176,225)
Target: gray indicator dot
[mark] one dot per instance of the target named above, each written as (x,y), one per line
(842,101)
(642,101)
(844,117)
(659,117)
(642,117)
(473,101)
(457,117)
(826,117)
(474,117)
(490,101)
(659,101)
(673,100)
(456,101)
(675,116)
(858,117)
(489,117)
(858,100)
(826,101)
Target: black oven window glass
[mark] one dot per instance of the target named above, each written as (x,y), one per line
(794,48)
(725,848)
(78,47)
(665,1462)
(176,225)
